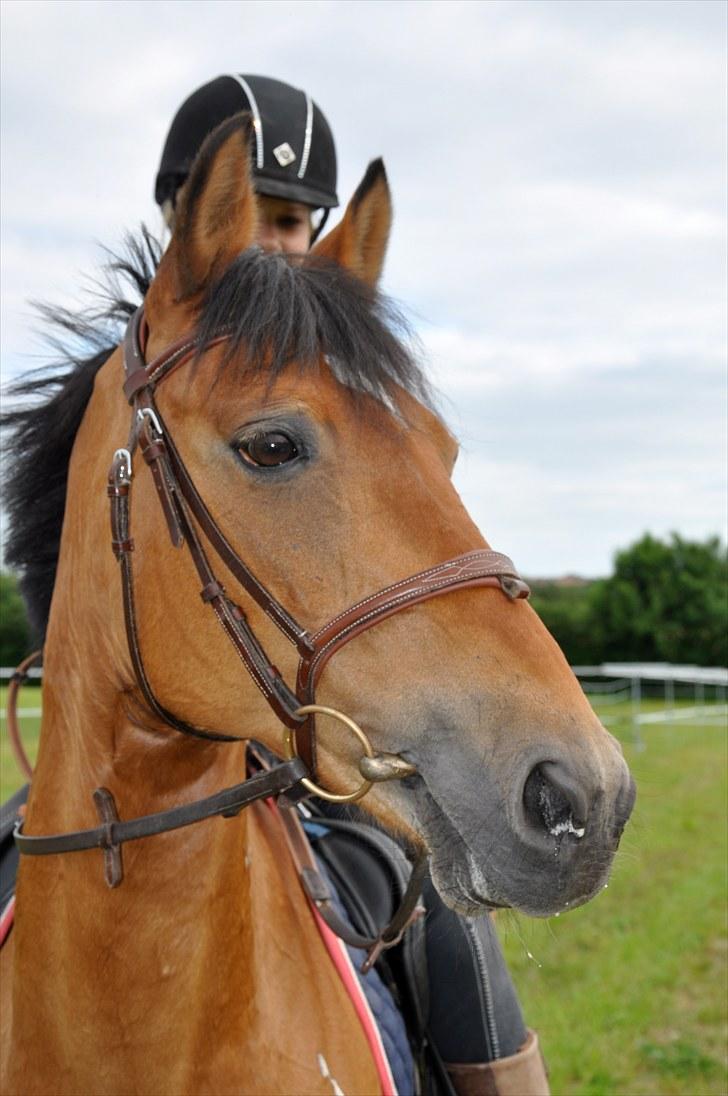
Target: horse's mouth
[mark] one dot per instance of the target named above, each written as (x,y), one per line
(453,865)
(501,873)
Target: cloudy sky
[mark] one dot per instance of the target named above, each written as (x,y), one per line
(558,171)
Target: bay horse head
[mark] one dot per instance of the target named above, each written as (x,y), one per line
(307,438)
(309,435)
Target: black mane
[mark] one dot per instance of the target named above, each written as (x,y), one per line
(281,311)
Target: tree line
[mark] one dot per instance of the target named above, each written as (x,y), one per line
(667,601)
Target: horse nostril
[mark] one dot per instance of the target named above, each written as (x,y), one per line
(624,805)
(553,801)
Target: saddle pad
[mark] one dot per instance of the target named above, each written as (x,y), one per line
(384,1011)
(8,851)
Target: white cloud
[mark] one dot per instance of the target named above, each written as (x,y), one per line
(559,182)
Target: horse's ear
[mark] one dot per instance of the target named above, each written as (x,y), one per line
(217,213)
(359,241)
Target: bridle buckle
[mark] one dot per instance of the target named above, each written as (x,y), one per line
(151,414)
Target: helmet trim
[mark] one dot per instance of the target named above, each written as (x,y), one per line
(307,137)
(257,123)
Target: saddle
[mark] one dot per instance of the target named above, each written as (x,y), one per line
(447,976)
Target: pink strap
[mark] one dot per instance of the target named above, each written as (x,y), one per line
(6,920)
(342,961)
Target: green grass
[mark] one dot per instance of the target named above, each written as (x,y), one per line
(11,777)
(628,993)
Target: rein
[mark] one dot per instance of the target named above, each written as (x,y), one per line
(188,521)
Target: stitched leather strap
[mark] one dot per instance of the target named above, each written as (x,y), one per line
(176,492)
(273,609)
(481,567)
(118,488)
(476,568)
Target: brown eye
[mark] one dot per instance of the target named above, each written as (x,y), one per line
(268,450)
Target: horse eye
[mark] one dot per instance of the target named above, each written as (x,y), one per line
(268,450)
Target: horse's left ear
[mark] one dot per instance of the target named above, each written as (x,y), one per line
(216,217)
(359,241)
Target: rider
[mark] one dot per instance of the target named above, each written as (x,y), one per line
(294,173)
(294,158)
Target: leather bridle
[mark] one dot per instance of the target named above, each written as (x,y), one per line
(187,517)
(189,522)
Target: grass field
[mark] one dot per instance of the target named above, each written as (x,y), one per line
(628,993)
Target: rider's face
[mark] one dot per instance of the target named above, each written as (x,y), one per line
(284,225)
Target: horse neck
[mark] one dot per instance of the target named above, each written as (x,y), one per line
(183,910)
(173,981)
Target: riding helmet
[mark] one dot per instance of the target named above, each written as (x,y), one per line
(293,153)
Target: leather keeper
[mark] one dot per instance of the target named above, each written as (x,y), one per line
(211,591)
(135,382)
(153,451)
(106,808)
(120,547)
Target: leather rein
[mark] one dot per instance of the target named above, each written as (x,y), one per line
(190,523)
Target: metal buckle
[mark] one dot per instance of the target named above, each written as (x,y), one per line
(122,466)
(289,746)
(152,416)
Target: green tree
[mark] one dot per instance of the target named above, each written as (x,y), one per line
(14,629)
(566,612)
(667,601)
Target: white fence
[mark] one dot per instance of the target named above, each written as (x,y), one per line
(621,683)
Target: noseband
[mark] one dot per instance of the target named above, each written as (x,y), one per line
(188,520)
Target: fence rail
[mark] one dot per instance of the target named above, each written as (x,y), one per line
(709,685)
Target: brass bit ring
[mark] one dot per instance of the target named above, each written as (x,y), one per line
(289,747)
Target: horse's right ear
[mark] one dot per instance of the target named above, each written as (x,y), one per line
(359,241)
(217,216)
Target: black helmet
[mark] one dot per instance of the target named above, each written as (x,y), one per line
(293,156)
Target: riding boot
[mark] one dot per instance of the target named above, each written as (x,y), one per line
(521,1074)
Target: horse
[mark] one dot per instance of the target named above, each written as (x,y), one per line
(293,430)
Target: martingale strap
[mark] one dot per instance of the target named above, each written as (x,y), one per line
(113,833)
(188,519)
(319,894)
